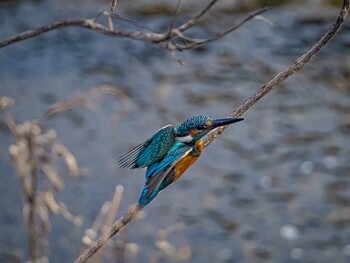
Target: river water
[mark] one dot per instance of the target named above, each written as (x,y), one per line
(274,188)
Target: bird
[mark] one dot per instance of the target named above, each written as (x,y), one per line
(169,152)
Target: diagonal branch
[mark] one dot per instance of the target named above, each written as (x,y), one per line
(288,71)
(173,21)
(195,19)
(278,79)
(114,229)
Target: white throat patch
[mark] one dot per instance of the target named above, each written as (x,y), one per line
(187,138)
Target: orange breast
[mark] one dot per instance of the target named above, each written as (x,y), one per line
(188,160)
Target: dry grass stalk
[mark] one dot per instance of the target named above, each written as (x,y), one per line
(33,156)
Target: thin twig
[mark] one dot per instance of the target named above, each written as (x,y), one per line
(195,19)
(114,229)
(170,42)
(133,22)
(173,21)
(193,43)
(288,71)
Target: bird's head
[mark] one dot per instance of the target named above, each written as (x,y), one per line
(196,127)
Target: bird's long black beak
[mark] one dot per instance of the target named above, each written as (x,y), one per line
(222,122)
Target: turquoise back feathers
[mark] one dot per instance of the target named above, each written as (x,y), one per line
(156,147)
(169,152)
(151,151)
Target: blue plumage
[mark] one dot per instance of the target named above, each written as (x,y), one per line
(160,175)
(193,122)
(151,151)
(169,152)
(175,152)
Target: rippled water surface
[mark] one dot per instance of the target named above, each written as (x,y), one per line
(274,188)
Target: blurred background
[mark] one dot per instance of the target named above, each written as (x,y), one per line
(274,188)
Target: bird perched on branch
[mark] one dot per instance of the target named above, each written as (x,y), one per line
(169,152)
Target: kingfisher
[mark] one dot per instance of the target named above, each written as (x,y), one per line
(169,152)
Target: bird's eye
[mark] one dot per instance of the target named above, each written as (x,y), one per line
(200,127)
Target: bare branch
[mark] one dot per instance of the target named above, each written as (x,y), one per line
(195,19)
(173,21)
(288,71)
(114,229)
(193,43)
(167,39)
(84,23)
(233,28)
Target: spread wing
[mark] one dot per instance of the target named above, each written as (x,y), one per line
(160,175)
(150,151)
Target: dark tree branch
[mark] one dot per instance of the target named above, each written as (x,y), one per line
(114,229)
(163,40)
(193,43)
(195,19)
(85,23)
(288,71)
(173,21)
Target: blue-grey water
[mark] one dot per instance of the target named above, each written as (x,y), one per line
(274,188)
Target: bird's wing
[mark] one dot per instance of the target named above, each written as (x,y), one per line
(160,175)
(150,151)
